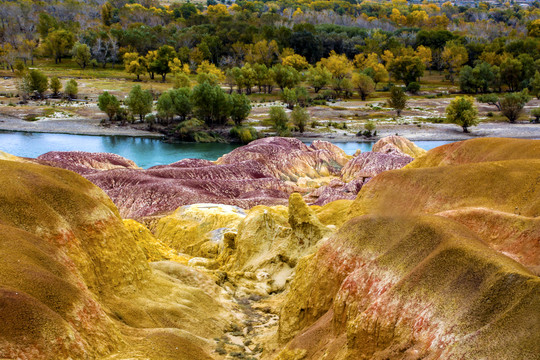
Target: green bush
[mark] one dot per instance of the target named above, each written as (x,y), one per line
(413,87)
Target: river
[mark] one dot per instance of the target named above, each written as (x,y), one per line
(146,152)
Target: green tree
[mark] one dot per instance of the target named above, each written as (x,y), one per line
(165,107)
(240,108)
(55,86)
(467,80)
(491,99)
(397,100)
(511,73)
(319,77)
(109,104)
(211,103)
(279,120)
(406,68)
(285,76)
(182,101)
(536,114)
(58,44)
(461,111)
(288,96)
(512,105)
(139,101)
(363,84)
(535,85)
(81,54)
(71,89)
(35,81)
(160,63)
(300,118)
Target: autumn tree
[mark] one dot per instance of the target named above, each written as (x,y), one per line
(454,56)
(318,77)
(406,68)
(363,84)
(263,52)
(160,63)
(461,111)
(296,61)
(58,44)
(135,64)
(341,68)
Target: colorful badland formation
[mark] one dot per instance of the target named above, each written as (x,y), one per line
(278,250)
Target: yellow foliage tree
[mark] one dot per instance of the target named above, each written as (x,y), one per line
(263,52)
(208,68)
(454,56)
(134,64)
(178,67)
(217,10)
(424,53)
(338,65)
(296,61)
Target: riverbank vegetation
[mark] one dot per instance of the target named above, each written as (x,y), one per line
(215,62)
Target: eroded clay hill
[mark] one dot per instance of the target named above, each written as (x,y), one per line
(265,172)
(438,260)
(432,258)
(75,284)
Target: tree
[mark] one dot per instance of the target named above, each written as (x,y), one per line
(263,52)
(363,84)
(341,68)
(279,120)
(58,44)
(35,81)
(285,76)
(467,80)
(454,56)
(296,61)
(511,73)
(536,114)
(461,111)
(71,89)
(211,103)
(81,54)
(406,68)
(318,77)
(512,105)
(109,104)
(535,85)
(134,64)
(55,86)
(160,61)
(182,102)
(240,108)
(288,96)
(165,107)
(300,118)
(139,101)
(398,99)
(490,99)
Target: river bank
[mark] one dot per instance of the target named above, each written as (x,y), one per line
(414,132)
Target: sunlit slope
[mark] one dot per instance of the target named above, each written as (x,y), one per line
(393,287)
(75,284)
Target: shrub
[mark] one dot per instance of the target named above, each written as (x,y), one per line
(536,114)
(279,120)
(300,118)
(55,86)
(512,105)
(244,134)
(109,104)
(70,89)
(413,87)
(35,81)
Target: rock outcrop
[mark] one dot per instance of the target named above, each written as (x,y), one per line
(85,162)
(394,144)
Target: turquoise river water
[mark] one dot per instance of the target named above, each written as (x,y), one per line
(146,152)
